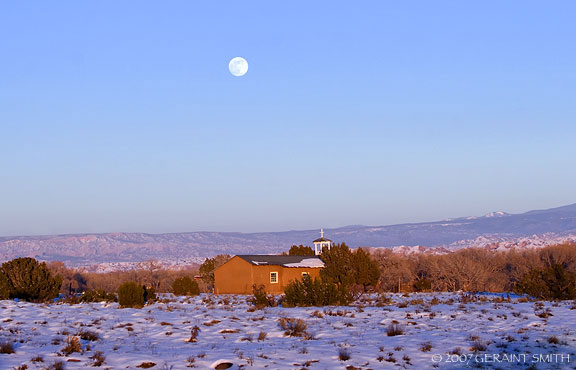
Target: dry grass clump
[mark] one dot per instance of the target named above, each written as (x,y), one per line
(6,348)
(37,359)
(426,347)
(191,361)
(417,301)
(553,340)
(229,331)
(88,335)
(478,346)
(343,354)
(262,336)
(466,298)
(339,313)
(317,314)
(128,326)
(390,358)
(98,359)
(394,329)
(57,365)
(72,345)
(384,300)
(146,365)
(456,351)
(194,334)
(544,314)
(293,327)
(211,323)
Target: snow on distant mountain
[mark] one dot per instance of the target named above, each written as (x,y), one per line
(488,215)
(497,214)
(494,230)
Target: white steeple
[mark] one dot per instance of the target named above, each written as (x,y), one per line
(321,243)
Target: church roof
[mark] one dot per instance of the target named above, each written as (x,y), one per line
(319,240)
(286,261)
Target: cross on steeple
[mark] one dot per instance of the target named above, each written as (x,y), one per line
(321,243)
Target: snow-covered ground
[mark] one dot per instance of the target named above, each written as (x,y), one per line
(439,330)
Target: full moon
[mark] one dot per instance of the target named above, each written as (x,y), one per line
(238,66)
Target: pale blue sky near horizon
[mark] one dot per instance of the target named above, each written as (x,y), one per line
(123,116)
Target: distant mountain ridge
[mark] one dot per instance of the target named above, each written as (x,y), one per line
(82,249)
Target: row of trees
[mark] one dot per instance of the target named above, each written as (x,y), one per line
(545,273)
(150,274)
(28,279)
(476,269)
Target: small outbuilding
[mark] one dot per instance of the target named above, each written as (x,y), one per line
(239,274)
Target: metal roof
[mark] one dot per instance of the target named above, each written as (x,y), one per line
(264,259)
(319,240)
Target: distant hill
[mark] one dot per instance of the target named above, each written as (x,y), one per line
(83,249)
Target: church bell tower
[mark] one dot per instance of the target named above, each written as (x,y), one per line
(320,243)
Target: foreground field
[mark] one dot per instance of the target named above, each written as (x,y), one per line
(428,330)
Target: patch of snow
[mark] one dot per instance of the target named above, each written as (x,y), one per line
(159,333)
(307,262)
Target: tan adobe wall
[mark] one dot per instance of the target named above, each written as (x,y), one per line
(237,277)
(233,277)
(262,277)
(292,273)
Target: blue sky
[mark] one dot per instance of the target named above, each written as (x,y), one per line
(122,116)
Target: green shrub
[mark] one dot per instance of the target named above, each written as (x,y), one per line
(4,286)
(555,282)
(339,266)
(26,278)
(260,299)
(301,250)
(317,292)
(98,295)
(367,271)
(185,286)
(133,295)
(344,267)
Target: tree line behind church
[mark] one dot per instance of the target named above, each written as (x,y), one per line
(547,273)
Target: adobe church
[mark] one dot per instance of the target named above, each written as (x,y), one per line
(239,274)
